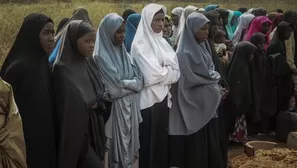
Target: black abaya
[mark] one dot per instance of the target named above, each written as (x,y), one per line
(154,136)
(26,69)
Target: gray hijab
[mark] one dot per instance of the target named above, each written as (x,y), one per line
(123,82)
(196,96)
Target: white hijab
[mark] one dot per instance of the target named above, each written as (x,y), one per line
(188,10)
(243,23)
(155,58)
(177,11)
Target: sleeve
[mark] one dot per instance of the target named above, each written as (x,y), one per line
(289,52)
(136,84)
(114,85)
(153,72)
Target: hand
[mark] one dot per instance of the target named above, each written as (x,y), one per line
(225,58)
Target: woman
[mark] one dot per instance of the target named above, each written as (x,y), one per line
(131,27)
(187,11)
(265,97)
(194,136)
(80,108)
(224,16)
(167,31)
(243,24)
(26,69)
(176,14)
(158,64)
(240,99)
(259,24)
(232,23)
(13,147)
(213,16)
(282,71)
(279,17)
(79,13)
(123,82)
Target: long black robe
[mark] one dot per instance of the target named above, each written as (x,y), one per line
(81,124)
(26,69)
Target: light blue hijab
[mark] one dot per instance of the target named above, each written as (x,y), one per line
(131,27)
(211,7)
(123,82)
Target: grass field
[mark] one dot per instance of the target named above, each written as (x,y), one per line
(12,15)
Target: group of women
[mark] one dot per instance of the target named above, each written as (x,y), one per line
(138,93)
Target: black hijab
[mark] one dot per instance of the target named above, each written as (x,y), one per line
(27,43)
(26,69)
(127,13)
(213,16)
(76,97)
(242,9)
(62,24)
(260,12)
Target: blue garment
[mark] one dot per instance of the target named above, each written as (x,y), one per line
(53,55)
(210,7)
(131,27)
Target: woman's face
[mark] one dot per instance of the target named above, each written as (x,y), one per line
(214,28)
(174,19)
(158,23)
(86,44)
(202,34)
(167,28)
(46,36)
(265,27)
(120,34)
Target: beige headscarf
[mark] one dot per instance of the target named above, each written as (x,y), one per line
(12,143)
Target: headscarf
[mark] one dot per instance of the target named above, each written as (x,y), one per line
(201,10)
(228,26)
(178,11)
(251,11)
(71,79)
(276,21)
(272,15)
(188,10)
(12,146)
(61,24)
(211,7)
(27,43)
(223,13)
(189,112)
(236,14)
(260,12)
(131,27)
(80,13)
(242,10)
(256,26)
(155,58)
(127,13)
(213,16)
(123,81)
(243,23)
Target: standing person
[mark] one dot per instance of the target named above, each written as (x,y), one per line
(81,125)
(213,16)
(13,147)
(127,13)
(167,31)
(240,98)
(131,27)
(277,19)
(194,135)
(159,66)
(26,69)
(259,24)
(283,77)
(224,16)
(176,14)
(187,11)
(123,82)
(243,24)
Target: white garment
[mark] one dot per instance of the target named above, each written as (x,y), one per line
(243,23)
(178,11)
(155,58)
(188,10)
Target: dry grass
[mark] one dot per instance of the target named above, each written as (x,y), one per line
(11,15)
